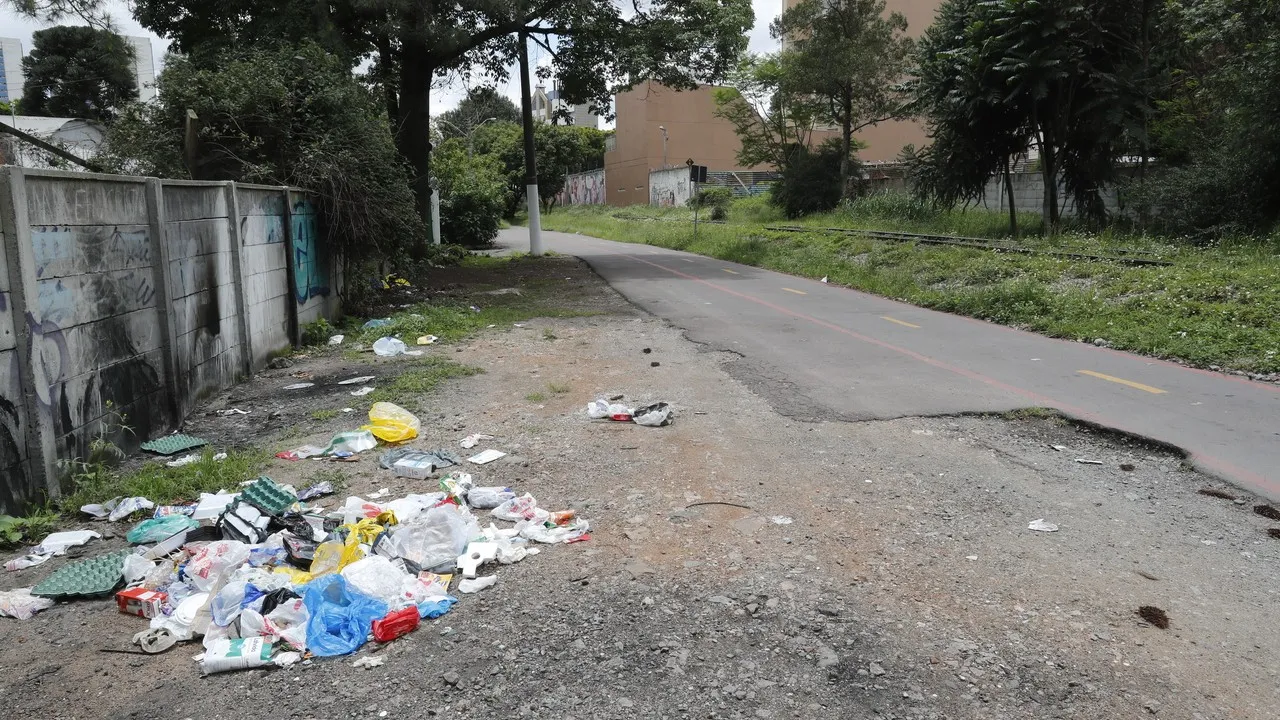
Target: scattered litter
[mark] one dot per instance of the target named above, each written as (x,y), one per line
(299,386)
(427,339)
(415,353)
(318,490)
(1042,526)
(173,444)
(361,392)
(300,453)
(140,601)
(780,520)
(86,578)
(369,661)
(487,498)
(380,494)
(416,464)
(474,439)
(1267,511)
(356,380)
(486,457)
(601,409)
(347,410)
(391,423)
(233,411)
(1155,616)
(117,509)
(351,441)
(211,505)
(377,323)
(389,347)
(1083,461)
(157,529)
(53,544)
(476,310)
(226,654)
(188,459)
(655,415)
(337,339)
(970,557)
(492,326)
(1059,448)
(396,623)
(26,561)
(21,604)
(475,585)
(824,279)
(519,325)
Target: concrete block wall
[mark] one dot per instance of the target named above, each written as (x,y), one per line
(670,188)
(124,301)
(1028,194)
(587,188)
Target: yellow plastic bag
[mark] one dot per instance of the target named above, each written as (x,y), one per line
(391,423)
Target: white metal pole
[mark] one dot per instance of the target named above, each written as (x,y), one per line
(435,216)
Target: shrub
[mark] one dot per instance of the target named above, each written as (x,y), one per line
(473,194)
(811,182)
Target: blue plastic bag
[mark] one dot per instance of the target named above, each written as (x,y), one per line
(341,618)
(435,608)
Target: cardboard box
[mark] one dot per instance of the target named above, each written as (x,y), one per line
(140,601)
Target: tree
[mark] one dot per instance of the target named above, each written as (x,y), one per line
(480,104)
(287,115)
(473,194)
(773,123)
(805,186)
(850,55)
(596,47)
(560,150)
(78,71)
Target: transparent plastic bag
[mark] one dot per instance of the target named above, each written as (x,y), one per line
(161,528)
(437,537)
(391,423)
(487,498)
(340,618)
(215,560)
(389,346)
(21,604)
(517,509)
(377,577)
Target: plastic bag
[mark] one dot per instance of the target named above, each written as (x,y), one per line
(352,441)
(22,604)
(157,529)
(228,602)
(655,415)
(487,498)
(377,577)
(437,537)
(456,485)
(215,560)
(340,617)
(516,509)
(389,346)
(136,568)
(602,409)
(392,423)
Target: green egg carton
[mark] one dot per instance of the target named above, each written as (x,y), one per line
(268,497)
(87,578)
(173,444)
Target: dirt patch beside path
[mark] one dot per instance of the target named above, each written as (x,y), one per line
(877,569)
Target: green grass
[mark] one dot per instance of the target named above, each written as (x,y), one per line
(536,397)
(163,485)
(26,529)
(1214,306)
(548,334)
(323,415)
(558,388)
(419,378)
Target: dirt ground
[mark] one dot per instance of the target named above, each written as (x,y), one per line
(905,584)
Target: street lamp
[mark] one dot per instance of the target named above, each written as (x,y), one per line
(663,128)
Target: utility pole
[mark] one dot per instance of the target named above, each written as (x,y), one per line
(530,163)
(663,128)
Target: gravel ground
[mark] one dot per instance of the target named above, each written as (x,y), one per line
(905,584)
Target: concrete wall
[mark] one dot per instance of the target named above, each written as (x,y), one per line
(670,188)
(583,189)
(1028,195)
(126,300)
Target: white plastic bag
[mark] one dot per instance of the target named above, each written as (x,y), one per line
(389,346)
(226,604)
(437,537)
(136,568)
(215,560)
(655,415)
(475,585)
(517,509)
(377,577)
(21,604)
(487,498)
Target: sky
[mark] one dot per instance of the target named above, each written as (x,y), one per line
(445,98)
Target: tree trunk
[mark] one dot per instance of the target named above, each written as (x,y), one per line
(1049,174)
(414,134)
(1008,191)
(387,78)
(846,146)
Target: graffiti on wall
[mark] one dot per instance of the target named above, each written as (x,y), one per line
(669,188)
(310,268)
(583,189)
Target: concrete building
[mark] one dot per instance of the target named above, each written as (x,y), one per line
(546,105)
(144,66)
(81,138)
(11,66)
(885,141)
(658,127)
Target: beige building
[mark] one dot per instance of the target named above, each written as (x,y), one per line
(659,127)
(885,141)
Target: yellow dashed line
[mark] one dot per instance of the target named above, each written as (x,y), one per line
(900,322)
(1122,381)
(798,292)
(731,272)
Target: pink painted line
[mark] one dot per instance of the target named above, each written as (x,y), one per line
(1216,465)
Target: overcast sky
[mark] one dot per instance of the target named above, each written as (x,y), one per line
(11,25)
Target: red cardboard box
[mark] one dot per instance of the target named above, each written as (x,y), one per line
(140,601)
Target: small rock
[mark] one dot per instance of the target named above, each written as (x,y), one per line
(876,669)
(452,678)
(752,608)
(655,363)
(625,703)
(827,657)
(280,363)
(829,611)
(719,600)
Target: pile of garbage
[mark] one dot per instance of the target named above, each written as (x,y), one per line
(267,578)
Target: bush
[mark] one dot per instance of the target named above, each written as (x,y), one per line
(473,194)
(712,197)
(890,205)
(811,182)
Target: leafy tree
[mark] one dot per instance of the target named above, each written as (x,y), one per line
(473,194)
(592,43)
(851,56)
(288,115)
(771,120)
(78,71)
(560,150)
(806,185)
(480,104)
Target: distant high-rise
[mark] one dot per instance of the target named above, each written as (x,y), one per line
(143,67)
(11,77)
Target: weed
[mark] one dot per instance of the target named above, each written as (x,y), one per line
(1031,413)
(558,388)
(407,388)
(547,334)
(26,530)
(164,485)
(334,476)
(323,415)
(318,332)
(536,397)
